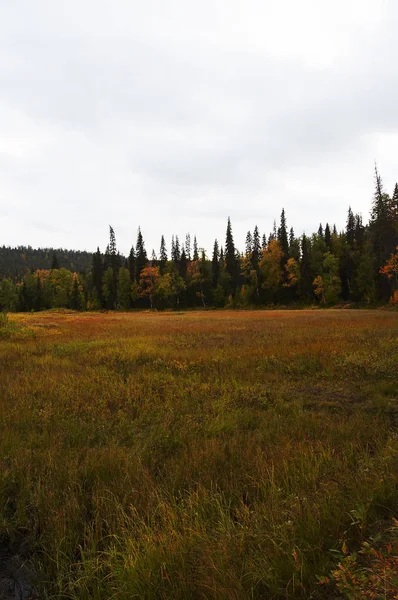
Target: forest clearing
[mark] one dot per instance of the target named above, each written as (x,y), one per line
(204,455)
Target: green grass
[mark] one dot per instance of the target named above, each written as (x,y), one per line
(201,455)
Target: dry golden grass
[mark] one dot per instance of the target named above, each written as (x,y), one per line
(196,455)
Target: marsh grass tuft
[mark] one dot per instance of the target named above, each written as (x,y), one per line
(221,455)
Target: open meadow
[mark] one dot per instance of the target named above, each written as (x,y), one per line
(204,455)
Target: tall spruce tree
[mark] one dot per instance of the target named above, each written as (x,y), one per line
(328,237)
(175,251)
(359,231)
(256,248)
(215,264)
(350,227)
(230,257)
(183,264)
(114,262)
(249,244)
(74,301)
(131,263)
(294,246)
(162,255)
(141,257)
(306,277)
(188,246)
(195,249)
(282,236)
(96,274)
(383,234)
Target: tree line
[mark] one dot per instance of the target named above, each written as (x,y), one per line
(357,265)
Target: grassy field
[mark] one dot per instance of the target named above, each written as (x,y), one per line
(205,455)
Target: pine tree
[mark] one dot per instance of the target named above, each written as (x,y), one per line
(141,258)
(350,227)
(305,270)
(383,232)
(74,301)
(131,263)
(282,237)
(394,203)
(273,235)
(112,241)
(393,216)
(264,242)
(249,244)
(183,264)
(328,236)
(177,253)
(162,255)
(291,238)
(173,249)
(256,248)
(195,249)
(163,250)
(230,257)
(114,262)
(294,246)
(97,274)
(215,264)
(188,246)
(320,230)
(124,288)
(359,231)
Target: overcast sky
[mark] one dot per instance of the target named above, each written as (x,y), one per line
(174,114)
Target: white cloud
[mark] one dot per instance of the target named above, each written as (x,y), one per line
(175,115)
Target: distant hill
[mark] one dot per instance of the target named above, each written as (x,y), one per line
(15,262)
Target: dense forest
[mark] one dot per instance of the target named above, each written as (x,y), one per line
(357,265)
(16,262)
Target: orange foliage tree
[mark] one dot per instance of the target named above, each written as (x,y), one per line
(390,269)
(149,278)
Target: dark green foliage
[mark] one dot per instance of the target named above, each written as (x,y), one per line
(175,250)
(32,280)
(350,228)
(162,255)
(141,258)
(249,243)
(305,270)
(97,273)
(188,246)
(328,237)
(282,236)
(54,262)
(256,248)
(183,264)
(294,246)
(15,262)
(231,264)
(383,228)
(131,263)
(215,264)
(195,249)
(75,296)
(38,298)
